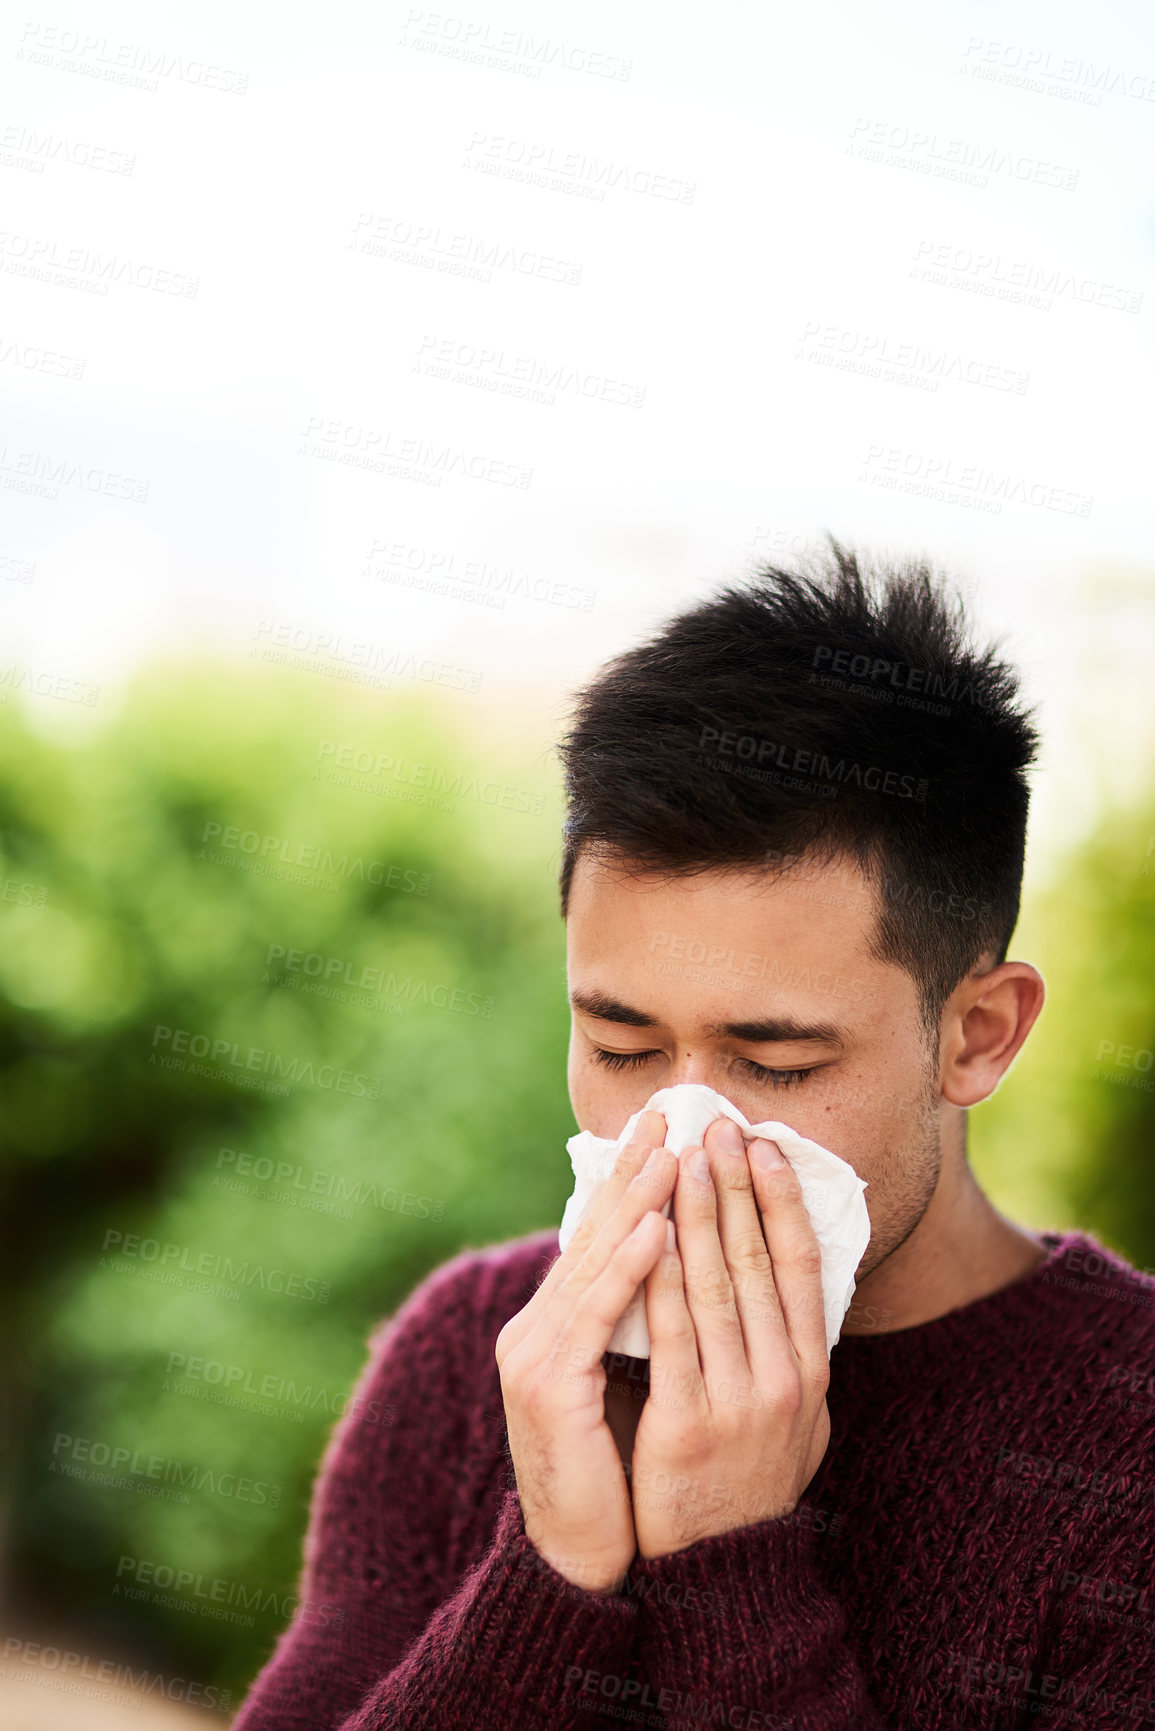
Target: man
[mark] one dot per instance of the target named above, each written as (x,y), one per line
(791,872)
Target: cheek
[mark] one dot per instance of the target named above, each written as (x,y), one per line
(853,1119)
(602,1100)
(589,1088)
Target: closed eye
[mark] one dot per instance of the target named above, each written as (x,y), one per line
(758,1072)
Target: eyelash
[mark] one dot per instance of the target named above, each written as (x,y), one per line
(776,1078)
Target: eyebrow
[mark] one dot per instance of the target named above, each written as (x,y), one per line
(774,1029)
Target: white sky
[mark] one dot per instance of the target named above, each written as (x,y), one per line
(816,147)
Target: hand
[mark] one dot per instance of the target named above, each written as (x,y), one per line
(571,1480)
(736,1423)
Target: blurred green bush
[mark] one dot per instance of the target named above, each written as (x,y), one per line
(429,1117)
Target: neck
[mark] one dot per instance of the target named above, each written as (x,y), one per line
(961,1250)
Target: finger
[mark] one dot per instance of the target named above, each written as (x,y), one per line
(709,1294)
(795,1255)
(676,1382)
(576,1352)
(650,1189)
(741,1236)
(649,1133)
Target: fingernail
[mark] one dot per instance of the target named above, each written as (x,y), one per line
(766,1154)
(699,1166)
(730,1137)
(655,1159)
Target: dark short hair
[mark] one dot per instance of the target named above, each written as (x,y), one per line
(837,710)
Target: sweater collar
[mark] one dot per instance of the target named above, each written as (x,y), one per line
(1055,1292)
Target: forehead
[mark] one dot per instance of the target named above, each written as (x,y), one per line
(745,954)
(812,906)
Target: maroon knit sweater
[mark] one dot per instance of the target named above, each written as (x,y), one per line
(977,1548)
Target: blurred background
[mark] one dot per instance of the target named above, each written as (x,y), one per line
(369,378)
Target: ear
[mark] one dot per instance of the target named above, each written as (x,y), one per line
(986,1020)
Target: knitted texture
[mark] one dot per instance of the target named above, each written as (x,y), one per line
(977,1548)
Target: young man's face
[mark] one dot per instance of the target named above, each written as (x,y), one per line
(738,973)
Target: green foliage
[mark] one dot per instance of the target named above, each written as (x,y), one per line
(390,1126)
(1069,1138)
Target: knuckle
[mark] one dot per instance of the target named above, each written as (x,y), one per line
(725,1319)
(818,1376)
(533,1396)
(694,1204)
(512,1381)
(632,1157)
(787,1394)
(782,1182)
(732,1177)
(748,1259)
(808,1257)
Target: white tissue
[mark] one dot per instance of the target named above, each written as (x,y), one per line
(831,1194)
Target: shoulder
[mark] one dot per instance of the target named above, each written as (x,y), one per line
(1114,1302)
(431,1359)
(447,1327)
(1098,1347)
(476,1291)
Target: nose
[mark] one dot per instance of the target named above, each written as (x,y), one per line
(690,1067)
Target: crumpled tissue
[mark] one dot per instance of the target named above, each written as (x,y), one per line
(832,1194)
